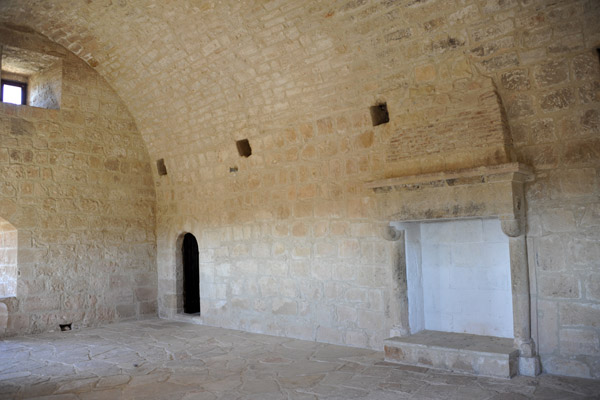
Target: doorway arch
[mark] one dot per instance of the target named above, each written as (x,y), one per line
(191,274)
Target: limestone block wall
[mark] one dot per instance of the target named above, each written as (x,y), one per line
(45,87)
(436,137)
(8,259)
(289,244)
(75,183)
(284,248)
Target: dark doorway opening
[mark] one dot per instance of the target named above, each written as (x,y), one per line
(191,275)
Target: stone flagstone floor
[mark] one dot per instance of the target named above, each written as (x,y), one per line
(159,359)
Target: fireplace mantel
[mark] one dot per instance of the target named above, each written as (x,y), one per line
(484,192)
(452,178)
(489,191)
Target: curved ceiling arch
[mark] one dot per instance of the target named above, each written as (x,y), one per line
(196,73)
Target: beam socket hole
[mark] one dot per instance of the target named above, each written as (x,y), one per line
(379,114)
(243,148)
(65,327)
(161,167)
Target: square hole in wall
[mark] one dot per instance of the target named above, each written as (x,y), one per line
(379,114)
(161,167)
(243,147)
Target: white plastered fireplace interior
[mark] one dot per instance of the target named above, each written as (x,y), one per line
(458,277)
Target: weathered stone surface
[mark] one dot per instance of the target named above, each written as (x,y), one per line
(578,182)
(559,220)
(550,253)
(566,44)
(536,132)
(3,318)
(547,327)
(580,152)
(584,67)
(128,360)
(567,367)
(580,315)
(590,92)
(590,121)
(551,73)
(579,341)
(493,46)
(490,31)
(8,260)
(557,100)
(515,80)
(592,287)
(500,62)
(544,156)
(84,203)
(558,286)
(471,354)
(537,37)
(295,78)
(520,105)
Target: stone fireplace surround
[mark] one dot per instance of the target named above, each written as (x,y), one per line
(482,192)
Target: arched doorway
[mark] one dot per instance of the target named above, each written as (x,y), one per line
(191,275)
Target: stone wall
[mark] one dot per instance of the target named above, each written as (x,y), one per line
(434,136)
(76,184)
(8,259)
(287,244)
(290,243)
(45,88)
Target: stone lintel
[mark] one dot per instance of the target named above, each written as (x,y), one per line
(495,173)
(484,192)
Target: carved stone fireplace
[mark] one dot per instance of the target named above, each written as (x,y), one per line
(483,192)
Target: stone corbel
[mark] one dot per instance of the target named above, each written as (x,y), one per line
(512,227)
(390,233)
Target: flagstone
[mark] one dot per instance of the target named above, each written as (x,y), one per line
(133,360)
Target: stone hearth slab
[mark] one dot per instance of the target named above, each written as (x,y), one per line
(457,352)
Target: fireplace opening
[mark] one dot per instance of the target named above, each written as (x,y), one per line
(458,277)
(460,292)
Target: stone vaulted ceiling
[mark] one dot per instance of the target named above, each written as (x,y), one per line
(196,72)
